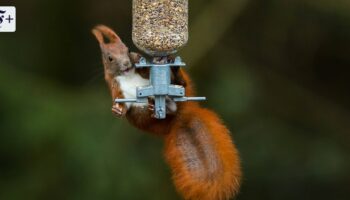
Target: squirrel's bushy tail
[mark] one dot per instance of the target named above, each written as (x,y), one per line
(204,161)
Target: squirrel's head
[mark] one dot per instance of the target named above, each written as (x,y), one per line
(115,55)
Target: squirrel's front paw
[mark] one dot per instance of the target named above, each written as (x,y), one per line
(171,106)
(151,107)
(118,110)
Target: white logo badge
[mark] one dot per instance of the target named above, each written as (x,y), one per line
(7,19)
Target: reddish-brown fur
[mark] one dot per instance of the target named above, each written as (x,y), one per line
(202,156)
(198,147)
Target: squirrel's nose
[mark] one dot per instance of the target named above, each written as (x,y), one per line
(126,64)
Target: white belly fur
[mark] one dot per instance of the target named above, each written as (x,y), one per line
(128,84)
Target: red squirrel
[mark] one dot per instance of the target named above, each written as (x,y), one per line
(202,156)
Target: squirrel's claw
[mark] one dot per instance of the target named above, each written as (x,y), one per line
(118,110)
(151,107)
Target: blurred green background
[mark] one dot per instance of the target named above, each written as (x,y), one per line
(276,71)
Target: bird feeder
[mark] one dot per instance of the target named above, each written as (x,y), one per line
(160,28)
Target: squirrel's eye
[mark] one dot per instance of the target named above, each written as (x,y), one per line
(110,58)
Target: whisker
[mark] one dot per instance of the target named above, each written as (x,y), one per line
(94,75)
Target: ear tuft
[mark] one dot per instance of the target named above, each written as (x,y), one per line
(98,36)
(102,30)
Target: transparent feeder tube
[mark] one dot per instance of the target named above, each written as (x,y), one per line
(160,27)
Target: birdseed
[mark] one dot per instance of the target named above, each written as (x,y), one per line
(160,27)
